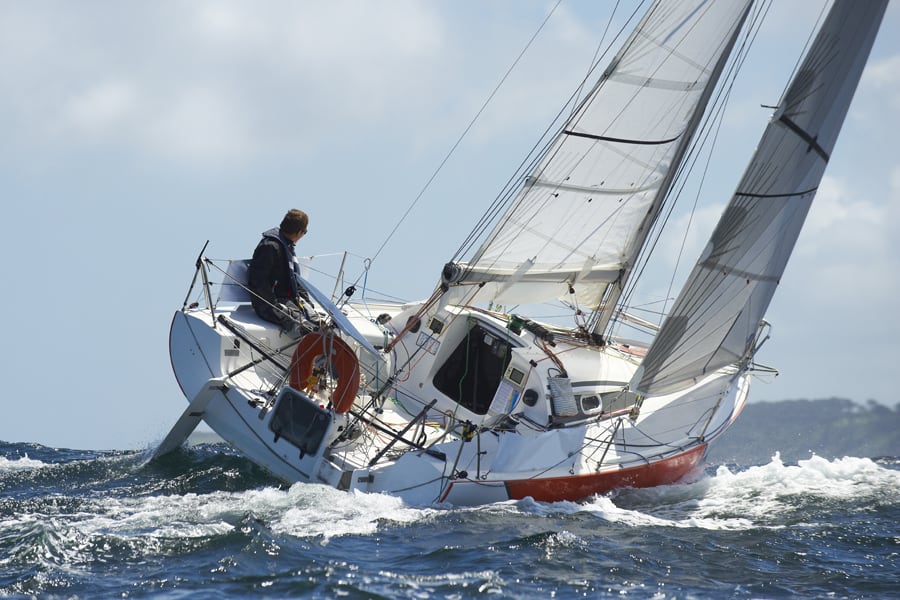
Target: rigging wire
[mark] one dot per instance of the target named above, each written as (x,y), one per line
(809,39)
(716,121)
(598,53)
(711,126)
(465,132)
(505,198)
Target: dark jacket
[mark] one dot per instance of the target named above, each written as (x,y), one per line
(271,273)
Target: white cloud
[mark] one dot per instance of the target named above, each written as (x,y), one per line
(835,209)
(216,82)
(103,108)
(282,77)
(849,245)
(191,124)
(883,73)
(228,24)
(884,77)
(199,126)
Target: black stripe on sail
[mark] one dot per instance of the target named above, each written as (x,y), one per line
(619,140)
(812,141)
(790,195)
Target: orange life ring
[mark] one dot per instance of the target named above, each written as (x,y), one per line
(343,365)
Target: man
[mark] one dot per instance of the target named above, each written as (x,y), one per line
(275,292)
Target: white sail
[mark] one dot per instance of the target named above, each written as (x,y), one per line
(716,317)
(582,215)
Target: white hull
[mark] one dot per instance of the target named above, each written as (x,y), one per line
(550,448)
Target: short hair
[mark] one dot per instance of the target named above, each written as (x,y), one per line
(294,222)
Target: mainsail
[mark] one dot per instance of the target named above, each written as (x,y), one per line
(715,319)
(582,215)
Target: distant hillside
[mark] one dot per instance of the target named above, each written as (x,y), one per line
(830,428)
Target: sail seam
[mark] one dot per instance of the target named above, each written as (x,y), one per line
(543,183)
(660,84)
(726,271)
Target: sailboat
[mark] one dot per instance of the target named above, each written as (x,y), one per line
(458,400)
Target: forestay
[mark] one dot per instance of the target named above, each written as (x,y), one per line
(583,213)
(716,317)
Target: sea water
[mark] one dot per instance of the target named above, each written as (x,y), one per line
(204,522)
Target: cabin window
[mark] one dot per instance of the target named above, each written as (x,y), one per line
(473,370)
(589,403)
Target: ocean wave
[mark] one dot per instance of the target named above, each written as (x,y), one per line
(770,496)
(58,528)
(20,464)
(773,495)
(71,520)
(199,493)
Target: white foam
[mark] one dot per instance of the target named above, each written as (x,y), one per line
(20,464)
(314,510)
(304,510)
(755,497)
(843,478)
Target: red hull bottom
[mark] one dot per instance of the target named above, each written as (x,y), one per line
(577,487)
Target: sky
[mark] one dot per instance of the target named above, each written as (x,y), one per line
(135,132)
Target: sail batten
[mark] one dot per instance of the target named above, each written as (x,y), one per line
(656,82)
(784,195)
(585,208)
(562,186)
(716,317)
(606,138)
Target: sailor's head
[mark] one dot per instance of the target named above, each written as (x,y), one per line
(293,225)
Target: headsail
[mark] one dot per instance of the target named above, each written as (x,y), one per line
(583,213)
(716,317)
